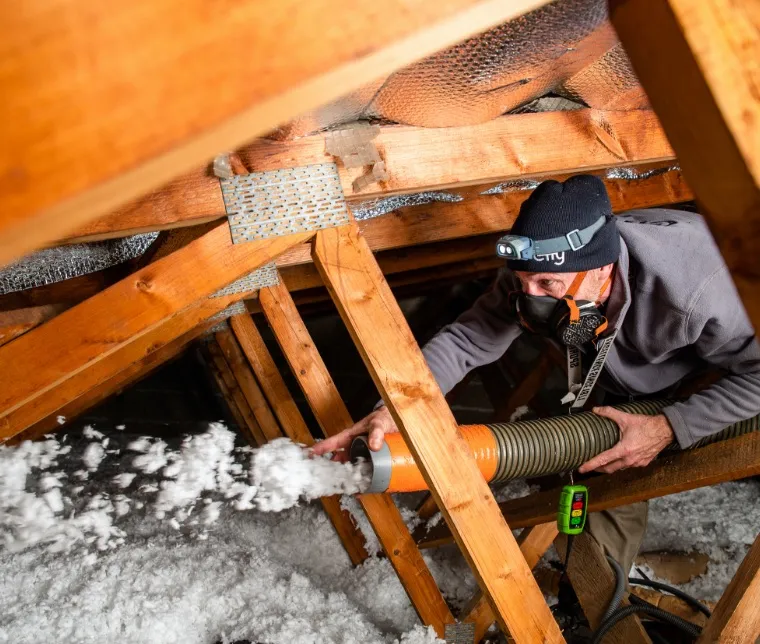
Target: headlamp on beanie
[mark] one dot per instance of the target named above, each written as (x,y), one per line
(521,247)
(562,228)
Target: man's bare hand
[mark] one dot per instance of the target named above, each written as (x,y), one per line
(641,439)
(376,425)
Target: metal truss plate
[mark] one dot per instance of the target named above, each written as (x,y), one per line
(283,202)
(236,308)
(460,633)
(260,278)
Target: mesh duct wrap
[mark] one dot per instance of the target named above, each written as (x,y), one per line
(567,47)
(52,265)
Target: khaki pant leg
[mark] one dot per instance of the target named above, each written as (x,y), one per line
(620,531)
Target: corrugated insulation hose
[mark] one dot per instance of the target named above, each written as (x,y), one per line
(506,451)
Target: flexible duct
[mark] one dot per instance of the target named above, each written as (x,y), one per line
(524,449)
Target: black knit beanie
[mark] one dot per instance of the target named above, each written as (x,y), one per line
(555,209)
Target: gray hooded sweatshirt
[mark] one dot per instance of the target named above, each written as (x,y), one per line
(677,312)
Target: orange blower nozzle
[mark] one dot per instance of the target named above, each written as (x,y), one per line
(394,470)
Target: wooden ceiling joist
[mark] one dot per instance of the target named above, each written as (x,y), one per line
(105,103)
(548,144)
(49,355)
(514,146)
(419,409)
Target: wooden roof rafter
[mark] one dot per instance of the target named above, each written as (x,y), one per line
(210,78)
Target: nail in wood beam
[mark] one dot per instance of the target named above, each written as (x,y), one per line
(399,370)
(292,423)
(593,580)
(333,417)
(736,618)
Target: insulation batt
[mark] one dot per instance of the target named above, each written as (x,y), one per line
(184,547)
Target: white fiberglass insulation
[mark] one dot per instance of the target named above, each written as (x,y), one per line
(114,537)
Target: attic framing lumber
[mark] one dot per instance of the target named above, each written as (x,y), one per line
(125,378)
(234,397)
(736,618)
(333,417)
(196,198)
(708,101)
(279,71)
(400,373)
(594,582)
(47,356)
(728,460)
(81,381)
(292,423)
(533,542)
(515,146)
(247,382)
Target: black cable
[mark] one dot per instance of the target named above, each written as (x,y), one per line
(673,591)
(617,596)
(647,609)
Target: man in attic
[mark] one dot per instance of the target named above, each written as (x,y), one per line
(641,301)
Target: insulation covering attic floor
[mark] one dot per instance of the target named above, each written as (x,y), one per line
(278,577)
(239,574)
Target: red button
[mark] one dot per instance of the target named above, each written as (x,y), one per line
(578,505)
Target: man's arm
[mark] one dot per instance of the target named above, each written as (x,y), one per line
(479,336)
(722,335)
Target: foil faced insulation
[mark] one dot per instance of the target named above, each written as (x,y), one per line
(52,265)
(567,47)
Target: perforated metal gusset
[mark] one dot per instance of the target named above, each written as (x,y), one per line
(283,202)
(258,279)
(236,308)
(460,633)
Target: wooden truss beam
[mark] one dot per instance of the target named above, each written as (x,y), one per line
(233,395)
(196,198)
(723,461)
(533,542)
(707,97)
(248,384)
(594,583)
(333,417)
(79,382)
(47,356)
(400,373)
(515,146)
(106,388)
(15,323)
(148,97)
(736,618)
(292,423)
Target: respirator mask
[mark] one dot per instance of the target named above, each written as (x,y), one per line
(572,322)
